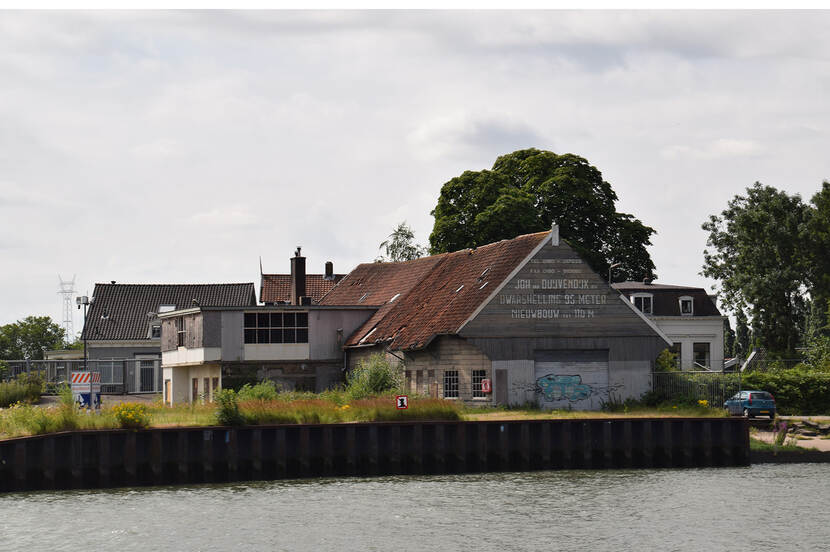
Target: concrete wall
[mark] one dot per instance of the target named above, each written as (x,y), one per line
(328,329)
(106,352)
(180,381)
(233,336)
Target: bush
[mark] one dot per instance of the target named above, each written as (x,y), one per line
(131,415)
(372,377)
(263,391)
(26,388)
(796,391)
(227,408)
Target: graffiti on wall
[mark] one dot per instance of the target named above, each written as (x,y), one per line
(570,388)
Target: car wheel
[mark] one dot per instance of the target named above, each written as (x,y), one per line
(772,416)
(747,414)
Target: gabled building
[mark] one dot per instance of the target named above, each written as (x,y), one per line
(123,323)
(518,321)
(687,315)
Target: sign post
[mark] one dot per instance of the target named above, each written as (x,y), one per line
(86,389)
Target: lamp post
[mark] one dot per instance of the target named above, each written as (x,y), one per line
(610,268)
(83,300)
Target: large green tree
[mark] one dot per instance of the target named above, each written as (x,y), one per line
(28,338)
(759,257)
(816,239)
(528,190)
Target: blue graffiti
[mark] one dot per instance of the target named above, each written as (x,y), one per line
(556,388)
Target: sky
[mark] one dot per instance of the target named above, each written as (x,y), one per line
(180,147)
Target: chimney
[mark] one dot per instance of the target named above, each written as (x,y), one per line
(329,270)
(297,277)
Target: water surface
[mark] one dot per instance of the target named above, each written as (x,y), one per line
(764,507)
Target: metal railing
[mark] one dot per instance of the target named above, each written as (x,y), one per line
(118,376)
(714,387)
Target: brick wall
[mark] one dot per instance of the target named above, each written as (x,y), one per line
(424,370)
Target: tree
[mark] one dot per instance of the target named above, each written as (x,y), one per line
(760,262)
(399,246)
(527,191)
(816,237)
(28,338)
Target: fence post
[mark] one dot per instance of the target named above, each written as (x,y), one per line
(124,377)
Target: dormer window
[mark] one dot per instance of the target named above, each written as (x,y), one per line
(643,302)
(687,306)
(155,331)
(166,308)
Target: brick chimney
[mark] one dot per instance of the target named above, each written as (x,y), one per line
(297,277)
(329,270)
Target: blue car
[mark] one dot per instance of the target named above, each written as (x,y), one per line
(750,404)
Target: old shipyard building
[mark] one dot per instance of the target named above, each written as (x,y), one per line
(527,315)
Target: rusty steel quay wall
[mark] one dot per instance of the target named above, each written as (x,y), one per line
(113,458)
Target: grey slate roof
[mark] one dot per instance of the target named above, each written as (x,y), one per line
(119,311)
(666,300)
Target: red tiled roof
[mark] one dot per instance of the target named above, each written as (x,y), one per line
(277,287)
(437,294)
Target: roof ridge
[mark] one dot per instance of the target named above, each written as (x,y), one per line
(208,284)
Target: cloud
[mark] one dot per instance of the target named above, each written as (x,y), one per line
(227,217)
(460,134)
(723,148)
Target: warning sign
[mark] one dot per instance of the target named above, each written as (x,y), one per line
(401,402)
(86,382)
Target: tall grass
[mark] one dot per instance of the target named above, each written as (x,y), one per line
(26,388)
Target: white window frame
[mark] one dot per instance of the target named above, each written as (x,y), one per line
(691,303)
(650,297)
(478,374)
(453,390)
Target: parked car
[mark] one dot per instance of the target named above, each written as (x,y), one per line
(751,403)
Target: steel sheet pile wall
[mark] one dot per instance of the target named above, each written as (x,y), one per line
(201,455)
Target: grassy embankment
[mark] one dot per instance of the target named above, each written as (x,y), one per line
(259,405)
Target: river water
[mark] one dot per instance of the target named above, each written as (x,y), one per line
(764,507)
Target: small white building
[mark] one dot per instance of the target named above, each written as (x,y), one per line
(688,316)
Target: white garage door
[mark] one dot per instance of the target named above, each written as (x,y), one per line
(571,379)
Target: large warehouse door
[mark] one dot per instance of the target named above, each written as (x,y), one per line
(571,379)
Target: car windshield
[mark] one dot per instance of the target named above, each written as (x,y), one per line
(762,396)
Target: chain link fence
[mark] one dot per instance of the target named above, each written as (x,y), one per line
(714,387)
(118,376)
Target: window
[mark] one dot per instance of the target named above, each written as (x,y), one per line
(642,302)
(701,355)
(180,331)
(276,327)
(687,306)
(675,350)
(155,331)
(451,384)
(478,376)
(166,308)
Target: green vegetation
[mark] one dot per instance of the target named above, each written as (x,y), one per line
(28,338)
(25,389)
(797,391)
(371,377)
(763,446)
(400,247)
(528,190)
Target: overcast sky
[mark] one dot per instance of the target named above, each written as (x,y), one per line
(155,147)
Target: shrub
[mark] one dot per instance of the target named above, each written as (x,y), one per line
(227,408)
(26,388)
(373,376)
(131,415)
(796,391)
(263,391)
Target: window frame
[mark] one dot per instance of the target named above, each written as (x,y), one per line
(691,301)
(451,380)
(642,296)
(265,330)
(181,332)
(479,375)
